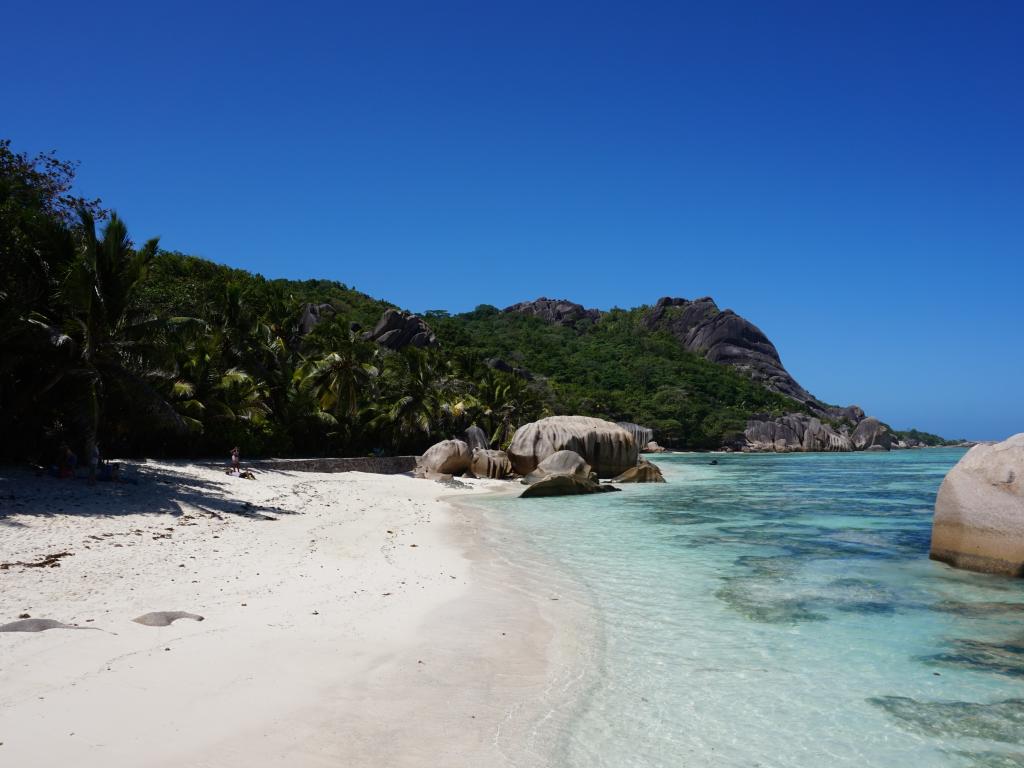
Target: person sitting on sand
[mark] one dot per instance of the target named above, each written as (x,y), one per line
(68,463)
(236,459)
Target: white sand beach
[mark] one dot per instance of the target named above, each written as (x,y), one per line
(349,619)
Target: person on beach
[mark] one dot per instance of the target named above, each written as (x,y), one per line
(94,462)
(67,464)
(236,458)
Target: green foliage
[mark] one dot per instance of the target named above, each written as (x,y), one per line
(156,352)
(618,369)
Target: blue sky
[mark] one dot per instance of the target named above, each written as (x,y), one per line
(848,176)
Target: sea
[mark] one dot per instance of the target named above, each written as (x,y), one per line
(777,610)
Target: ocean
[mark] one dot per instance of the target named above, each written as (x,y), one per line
(779,610)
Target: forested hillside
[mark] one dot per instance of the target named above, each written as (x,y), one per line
(152,352)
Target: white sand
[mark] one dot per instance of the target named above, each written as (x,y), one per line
(367,624)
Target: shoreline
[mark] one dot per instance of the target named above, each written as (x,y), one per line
(349,619)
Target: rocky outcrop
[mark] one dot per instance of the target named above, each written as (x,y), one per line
(653,447)
(560,463)
(311,316)
(556,311)
(871,434)
(490,463)
(397,330)
(449,457)
(565,485)
(476,438)
(722,336)
(606,446)
(643,472)
(979,512)
(642,435)
(793,432)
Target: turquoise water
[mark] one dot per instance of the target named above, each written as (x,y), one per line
(781,610)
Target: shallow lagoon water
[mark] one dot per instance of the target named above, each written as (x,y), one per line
(781,610)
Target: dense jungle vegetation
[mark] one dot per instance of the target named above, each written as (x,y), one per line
(159,353)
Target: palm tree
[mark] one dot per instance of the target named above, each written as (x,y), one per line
(340,378)
(421,399)
(113,351)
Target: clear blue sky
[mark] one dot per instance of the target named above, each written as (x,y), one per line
(850,176)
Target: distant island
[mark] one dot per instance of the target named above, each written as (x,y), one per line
(150,352)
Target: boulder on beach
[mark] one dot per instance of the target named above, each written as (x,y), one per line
(871,434)
(490,463)
(449,457)
(560,463)
(979,512)
(643,472)
(476,438)
(608,448)
(653,447)
(642,435)
(565,485)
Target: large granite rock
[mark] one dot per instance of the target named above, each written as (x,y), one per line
(565,485)
(557,311)
(642,435)
(793,432)
(606,446)
(871,435)
(397,330)
(979,512)
(560,463)
(476,438)
(311,316)
(643,472)
(722,336)
(449,457)
(489,463)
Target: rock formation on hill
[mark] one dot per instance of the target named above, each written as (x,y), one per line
(722,336)
(557,311)
(397,330)
(311,316)
(606,446)
(979,512)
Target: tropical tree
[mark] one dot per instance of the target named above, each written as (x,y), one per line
(340,375)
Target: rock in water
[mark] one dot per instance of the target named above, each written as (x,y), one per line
(560,463)
(643,472)
(871,434)
(476,438)
(793,432)
(979,512)
(397,330)
(489,463)
(449,457)
(642,435)
(565,485)
(606,446)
